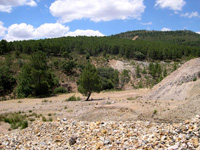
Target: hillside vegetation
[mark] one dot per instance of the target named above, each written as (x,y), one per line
(63,60)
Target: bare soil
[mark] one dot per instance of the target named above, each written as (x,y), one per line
(107,106)
(175,99)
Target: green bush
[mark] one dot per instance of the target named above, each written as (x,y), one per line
(50,119)
(60,90)
(155,112)
(24,124)
(73,98)
(44,101)
(195,79)
(44,119)
(16,120)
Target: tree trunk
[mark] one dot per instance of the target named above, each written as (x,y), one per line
(88,96)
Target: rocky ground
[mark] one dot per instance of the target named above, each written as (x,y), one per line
(131,119)
(71,134)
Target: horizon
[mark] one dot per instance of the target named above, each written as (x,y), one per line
(42,19)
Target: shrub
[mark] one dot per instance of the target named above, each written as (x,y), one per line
(132,98)
(60,90)
(16,120)
(24,124)
(44,101)
(195,79)
(31,119)
(44,119)
(73,98)
(155,112)
(50,119)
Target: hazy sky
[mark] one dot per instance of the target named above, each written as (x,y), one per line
(34,19)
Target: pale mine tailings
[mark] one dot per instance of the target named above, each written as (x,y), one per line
(182,84)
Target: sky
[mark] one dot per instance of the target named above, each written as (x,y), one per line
(39,19)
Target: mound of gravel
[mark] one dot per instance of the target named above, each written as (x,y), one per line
(79,135)
(182,84)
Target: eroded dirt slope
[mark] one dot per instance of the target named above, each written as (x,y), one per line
(181,84)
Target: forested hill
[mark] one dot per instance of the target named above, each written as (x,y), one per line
(185,37)
(38,67)
(151,45)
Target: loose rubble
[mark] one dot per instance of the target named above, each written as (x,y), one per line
(71,134)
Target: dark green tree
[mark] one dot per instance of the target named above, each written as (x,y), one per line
(7,81)
(165,72)
(3,47)
(109,77)
(138,71)
(89,81)
(152,70)
(68,66)
(124,78)
(36,78)
(174,66)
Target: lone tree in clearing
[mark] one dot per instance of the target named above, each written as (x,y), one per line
(89,81)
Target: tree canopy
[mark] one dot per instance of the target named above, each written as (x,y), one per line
(153,45)
(36,78)
(89,81)
(7,80)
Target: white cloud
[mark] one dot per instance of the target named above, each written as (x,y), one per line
(165,29)
(85,33)
(5,8)
(2,29)
(96,10)
(146,24)
(25,31)
(20,32)
(51,30)
(175,5)
(198,32)
(190,15)
(7,5)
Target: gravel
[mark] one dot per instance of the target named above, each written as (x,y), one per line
(71,134)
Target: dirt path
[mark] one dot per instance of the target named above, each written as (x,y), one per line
(39,103)
(117,105)
(105,106)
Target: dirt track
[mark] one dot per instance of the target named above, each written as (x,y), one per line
(103,106)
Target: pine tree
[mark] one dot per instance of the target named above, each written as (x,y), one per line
(138,71)
(89,81)
(36,78)
(124,78)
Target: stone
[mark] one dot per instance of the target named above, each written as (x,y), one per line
(73,134)
(58,138)
(118,142)
(104,131)
(187,121)
(98,146)
(72,141)
(98,123)
(195,142)
(183,146)
(2,146)
(187,137)
(106,142)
